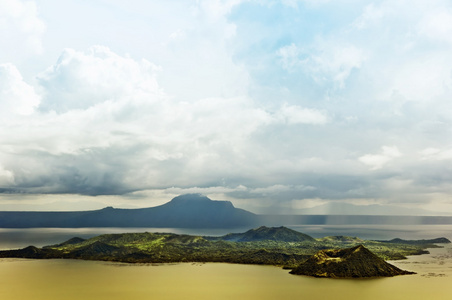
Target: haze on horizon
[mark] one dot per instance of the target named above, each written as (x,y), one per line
(276,106)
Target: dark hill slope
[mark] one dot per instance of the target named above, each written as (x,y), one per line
(356,262)
(96,249)
(72,241)
(31,252)
(263,233)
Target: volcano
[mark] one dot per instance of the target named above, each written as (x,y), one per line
(355,262)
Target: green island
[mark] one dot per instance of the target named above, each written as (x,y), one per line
(278,246)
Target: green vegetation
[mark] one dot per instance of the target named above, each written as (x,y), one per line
(271,246)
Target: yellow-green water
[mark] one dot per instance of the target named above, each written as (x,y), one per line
(71,279)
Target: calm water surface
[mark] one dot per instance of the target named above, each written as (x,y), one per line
(19,238)
(73,279)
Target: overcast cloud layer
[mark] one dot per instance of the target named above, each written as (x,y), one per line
(274,105)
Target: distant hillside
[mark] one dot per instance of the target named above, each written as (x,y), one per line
(185,211)
(355,262)
(263,233)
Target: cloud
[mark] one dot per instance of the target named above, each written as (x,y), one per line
(289,56)
(293,114)
(436,154)
(386,49)
(408,48)
(21,27)
(248,100)
(6,177)
(370,16)
(424,79)
(377,161)
(325,61)
(16,96)
(437,25)
(104,126)
(80,80)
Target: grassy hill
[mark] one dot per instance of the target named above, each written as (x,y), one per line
(263,233)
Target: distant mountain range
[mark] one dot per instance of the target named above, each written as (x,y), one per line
(195,211)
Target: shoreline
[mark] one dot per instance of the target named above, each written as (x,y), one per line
(438,263)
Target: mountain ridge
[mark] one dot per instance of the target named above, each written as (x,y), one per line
(184,211)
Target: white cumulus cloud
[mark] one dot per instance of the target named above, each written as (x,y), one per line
(21,29)
(436,154)
(16,96)
(377,161)
(437,25)
(82,79)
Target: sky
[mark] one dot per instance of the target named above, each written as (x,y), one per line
(276,106)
